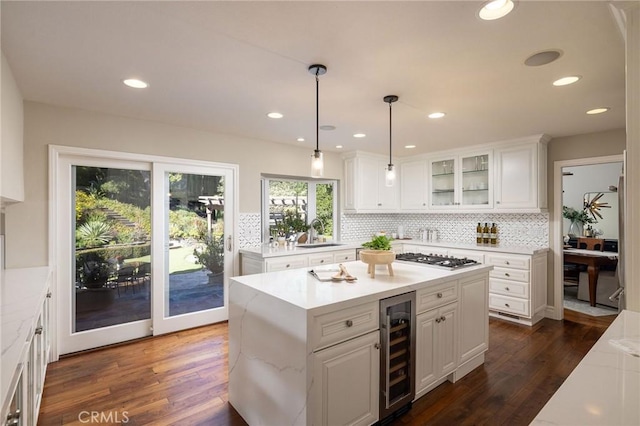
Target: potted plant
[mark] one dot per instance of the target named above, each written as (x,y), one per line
(378,253)
(294,224)
(211,255)
(578,218)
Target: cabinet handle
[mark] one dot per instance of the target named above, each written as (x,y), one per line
(497,202)
(379,204)
(443,319)
(438,320)
(506,262)
(349,323)
(506,274)
(38,330)
(376,345)
(13,417)
(287,265)
(439,295)
(507,305)
(322,261)
(507,288)
(49,295)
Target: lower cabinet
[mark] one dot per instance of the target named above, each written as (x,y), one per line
(257,264)
(436,346)
(474,327)
(347,379)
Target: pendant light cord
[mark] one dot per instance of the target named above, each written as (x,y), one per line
(317,111)
(390,133)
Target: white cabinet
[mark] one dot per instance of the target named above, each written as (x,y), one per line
(256,264)
(521,176)
(320,259)
(11,142)
(518,286)
(461,181)
(414,189)
(364,185)
(436,346)
(474,311)
(346,381)
(285,262)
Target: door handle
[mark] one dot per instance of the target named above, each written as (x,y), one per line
(229,246)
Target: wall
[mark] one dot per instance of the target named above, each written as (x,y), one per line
(27,223)
(568,148)
(594,178)
(11,136)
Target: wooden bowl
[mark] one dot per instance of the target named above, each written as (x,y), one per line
(377,257)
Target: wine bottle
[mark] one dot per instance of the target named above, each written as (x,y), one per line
(485,234)
(479,234)
(493,234)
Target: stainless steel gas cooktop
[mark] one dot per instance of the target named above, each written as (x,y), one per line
(430,259)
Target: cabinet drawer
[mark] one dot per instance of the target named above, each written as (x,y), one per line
(438,295)
(510,274)
(282,264)
(508,261)
(320,259)
(335,327)
(509,304)
(344,256)
(509,288)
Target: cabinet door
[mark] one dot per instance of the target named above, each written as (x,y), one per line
(368,184)
(474,317)
(476,186)
(413,185)
(516,177)
(344,256)
(320,259)
(346,382)
(426,373)
(447,339)
(443,183)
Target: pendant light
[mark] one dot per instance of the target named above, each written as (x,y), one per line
(317,163)
(390,173)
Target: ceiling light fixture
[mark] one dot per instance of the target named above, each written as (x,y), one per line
(135,83)
(543,58)
(598,110)
(495,9)
(339,146)
(390,175)
(317,163)
(436,115)
(274,115)
(409,146)
(564,81)
(359,135)
(300,139)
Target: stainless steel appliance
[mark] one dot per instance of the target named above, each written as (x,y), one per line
(397,354)
(430,259)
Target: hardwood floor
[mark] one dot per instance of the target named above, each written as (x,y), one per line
(181,379)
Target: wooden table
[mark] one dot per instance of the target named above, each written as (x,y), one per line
(594,260)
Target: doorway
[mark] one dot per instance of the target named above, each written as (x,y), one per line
(143,245)
(571,194)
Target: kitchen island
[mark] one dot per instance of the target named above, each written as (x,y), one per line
(305,352)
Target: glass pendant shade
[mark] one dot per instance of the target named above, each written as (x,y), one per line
(317,164)
(390,175)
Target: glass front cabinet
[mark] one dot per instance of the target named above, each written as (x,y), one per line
(459,182)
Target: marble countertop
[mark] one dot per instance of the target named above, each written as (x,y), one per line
(604,389)
(265,250)
(301,289)
(23,291)
(498,249)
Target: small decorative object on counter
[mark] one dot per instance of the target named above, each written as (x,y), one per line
(485,234)
(478,231)
(379,253)
(493,234)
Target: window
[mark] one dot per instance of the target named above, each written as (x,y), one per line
(289,204)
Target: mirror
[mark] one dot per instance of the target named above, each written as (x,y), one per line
(602,207)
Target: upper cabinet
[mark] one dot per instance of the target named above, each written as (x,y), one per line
(414,188)
(11,144)
(521,175)
(461,181)
(364,185)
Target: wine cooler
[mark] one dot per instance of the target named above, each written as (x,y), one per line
(397,354)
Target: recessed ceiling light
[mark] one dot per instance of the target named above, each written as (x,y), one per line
(135,83)
(436,115)
(409,146)
(339,146)
(495,9)
(327,127)
(359,135)
(300,139)
(598,110)
(542,58)
(275,115)
(566,80)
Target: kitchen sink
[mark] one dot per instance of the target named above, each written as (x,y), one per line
(312,245)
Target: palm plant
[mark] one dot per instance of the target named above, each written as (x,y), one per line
(93,234)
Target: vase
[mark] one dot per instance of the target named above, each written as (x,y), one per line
(575,229)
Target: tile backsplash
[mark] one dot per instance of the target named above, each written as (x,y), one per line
(530,230)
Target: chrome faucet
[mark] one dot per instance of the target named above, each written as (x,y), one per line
(313,236)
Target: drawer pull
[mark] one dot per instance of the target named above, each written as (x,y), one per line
(376,345)
(38,330)
(443,319)
(439,295)
(322,261)
(506,274)
(288,265)
(438,320)
(349,323)
(507,288)
(49,295)
(506,262)
(507,305)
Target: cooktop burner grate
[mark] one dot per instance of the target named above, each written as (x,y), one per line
(436,260)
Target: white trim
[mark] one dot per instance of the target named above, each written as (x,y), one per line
(557,310)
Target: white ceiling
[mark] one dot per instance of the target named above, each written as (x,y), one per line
(221,66)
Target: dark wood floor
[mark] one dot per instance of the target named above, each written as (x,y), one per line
(181,379)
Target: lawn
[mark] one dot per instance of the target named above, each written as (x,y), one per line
(180,260)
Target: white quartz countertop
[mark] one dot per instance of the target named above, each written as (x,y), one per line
(301,289)
(265,251)
(604,389)
(23,291)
